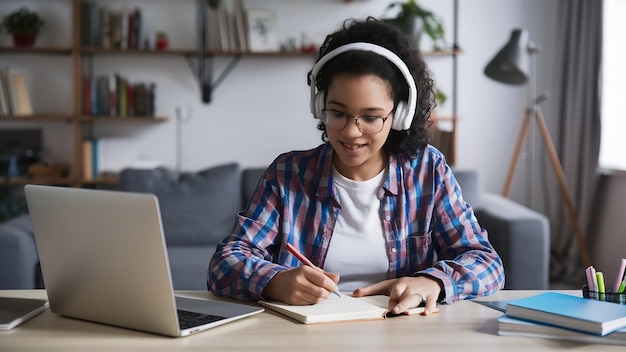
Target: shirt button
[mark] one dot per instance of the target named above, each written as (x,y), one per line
(387,218)
(393,250)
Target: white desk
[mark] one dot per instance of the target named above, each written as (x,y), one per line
(462,326)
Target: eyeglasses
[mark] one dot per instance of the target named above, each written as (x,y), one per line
(367,124)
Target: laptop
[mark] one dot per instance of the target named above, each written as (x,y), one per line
(104,259)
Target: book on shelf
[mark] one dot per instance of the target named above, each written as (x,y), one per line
(15,311)
(124,26)
(508,326)
(225,25)
(103,27)
(222,22)
(4,81)
(20,94)
(16,97)
(103,95)
(92,158)
(116,96)
(122,96)
(87,95)
(338,309)
(4,99)
(240,22)
(88,160)
(90,15)
(135,28)
(95,160)
(106,156)
(235,23)
(572,312)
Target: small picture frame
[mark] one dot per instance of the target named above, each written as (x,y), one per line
(262,30)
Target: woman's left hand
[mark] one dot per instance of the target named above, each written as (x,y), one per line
(405,293)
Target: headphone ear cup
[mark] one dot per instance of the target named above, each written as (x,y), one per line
(319,104)
(401,117)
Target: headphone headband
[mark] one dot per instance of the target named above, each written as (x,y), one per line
(404,113)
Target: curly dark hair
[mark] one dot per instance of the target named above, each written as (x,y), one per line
(371,30)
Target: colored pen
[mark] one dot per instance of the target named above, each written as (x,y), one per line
(594,280)
(304,260)
(590,278)
(620,276)
(600,278)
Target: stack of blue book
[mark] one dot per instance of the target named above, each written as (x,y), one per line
(562,316)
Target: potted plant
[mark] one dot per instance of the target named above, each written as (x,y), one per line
(440,97)
(413,19)
(24,25)
(161,41)
(440,100)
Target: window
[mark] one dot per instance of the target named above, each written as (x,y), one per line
(613,143)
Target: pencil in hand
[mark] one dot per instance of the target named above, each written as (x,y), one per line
(304,260)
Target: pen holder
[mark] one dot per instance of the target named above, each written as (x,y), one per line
(607,297)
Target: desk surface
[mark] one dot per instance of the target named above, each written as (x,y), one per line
(462,326)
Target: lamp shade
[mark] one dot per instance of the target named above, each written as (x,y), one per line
(511,64)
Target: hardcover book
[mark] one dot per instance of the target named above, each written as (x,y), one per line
(567,311)
(18,94)
(338,309)
(508,326)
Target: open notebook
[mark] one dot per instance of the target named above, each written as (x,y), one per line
(338,309)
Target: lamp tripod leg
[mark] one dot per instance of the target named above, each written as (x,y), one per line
(516,153)
(563,187)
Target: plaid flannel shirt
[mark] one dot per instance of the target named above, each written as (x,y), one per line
(429,229)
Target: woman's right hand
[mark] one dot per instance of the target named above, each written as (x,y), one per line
(301,286)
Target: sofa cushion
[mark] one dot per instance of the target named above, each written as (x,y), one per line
(470,186)
(521,236)
(197,208)
(188,265)
(19,267)
(249,182)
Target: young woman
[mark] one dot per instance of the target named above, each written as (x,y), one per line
(374,206)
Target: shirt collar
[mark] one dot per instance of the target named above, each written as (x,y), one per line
(324,167)
(326,188)
(394,176)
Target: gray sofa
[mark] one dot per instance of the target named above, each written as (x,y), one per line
(198,211)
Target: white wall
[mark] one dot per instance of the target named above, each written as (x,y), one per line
(261,108)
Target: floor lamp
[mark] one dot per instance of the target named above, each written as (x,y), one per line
(515,64)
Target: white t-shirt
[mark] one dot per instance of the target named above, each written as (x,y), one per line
(357,249)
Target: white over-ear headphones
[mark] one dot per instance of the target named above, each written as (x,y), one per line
(404,111)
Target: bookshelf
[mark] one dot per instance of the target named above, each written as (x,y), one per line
(80,125)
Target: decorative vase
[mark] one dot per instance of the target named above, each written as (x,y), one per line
(26,39)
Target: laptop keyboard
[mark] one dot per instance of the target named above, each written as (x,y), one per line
(187,319)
